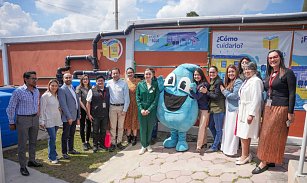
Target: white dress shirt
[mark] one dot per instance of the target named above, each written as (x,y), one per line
(50,114)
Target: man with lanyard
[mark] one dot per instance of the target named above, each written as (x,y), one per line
(24,103)
(97,106)
(119,103)
(70,107)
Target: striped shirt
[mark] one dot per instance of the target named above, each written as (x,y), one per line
(22,102)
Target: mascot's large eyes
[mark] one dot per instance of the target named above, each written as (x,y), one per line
(170,80)
(184,84)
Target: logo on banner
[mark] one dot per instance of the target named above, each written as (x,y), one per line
(270,42)
(149,40)
(112,49)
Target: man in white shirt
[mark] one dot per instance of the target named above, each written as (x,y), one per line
(97,107)
(119,103)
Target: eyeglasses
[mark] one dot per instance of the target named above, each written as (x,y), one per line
(33,79)
(274,57)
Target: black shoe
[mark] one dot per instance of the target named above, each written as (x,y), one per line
(74,152)
(112,148)
(95,149)
(85,147)
(258,170)
(88,145)
(120,146)
(102,147)
(129,137)
(66,156)
(134,140)
(271,164)
(24,171)
(268,164)
(34,164)
(210,150)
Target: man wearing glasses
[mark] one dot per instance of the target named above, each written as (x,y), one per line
(24,103)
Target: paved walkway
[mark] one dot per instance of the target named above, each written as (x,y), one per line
(167,165)
(12,175)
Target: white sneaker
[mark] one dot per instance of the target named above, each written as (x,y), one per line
(142,151)
(149,149)
(54,161)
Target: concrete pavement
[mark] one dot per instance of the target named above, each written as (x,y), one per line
(12,175)
(167,165)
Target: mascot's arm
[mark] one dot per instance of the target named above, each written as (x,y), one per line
(154,104)
(138,96)
(196,95)
(160,81)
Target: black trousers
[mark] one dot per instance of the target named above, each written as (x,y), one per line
(68,136)
(100,125)
(85,127)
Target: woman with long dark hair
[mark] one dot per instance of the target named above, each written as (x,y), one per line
(50,117)
(280,84)
(232,83)
(85,123)
(203,106)
(131,124)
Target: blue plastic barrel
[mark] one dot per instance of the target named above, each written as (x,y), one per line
(8,137)
(76,82)
(7,89)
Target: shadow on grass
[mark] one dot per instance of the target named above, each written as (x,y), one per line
(76,169)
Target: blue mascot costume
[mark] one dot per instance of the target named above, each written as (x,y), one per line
(176,108)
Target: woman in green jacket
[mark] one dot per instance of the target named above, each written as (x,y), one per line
(147,95)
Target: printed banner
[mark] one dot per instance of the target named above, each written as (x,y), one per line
(112,49)
(299,67)
(230,47)
(195,40)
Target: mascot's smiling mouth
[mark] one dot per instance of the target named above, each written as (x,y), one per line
(173,102)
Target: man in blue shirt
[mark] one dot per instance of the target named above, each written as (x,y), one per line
(119,103)
(24,103)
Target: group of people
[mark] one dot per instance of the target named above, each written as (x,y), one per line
(246,107)
(234,110)
(105,107)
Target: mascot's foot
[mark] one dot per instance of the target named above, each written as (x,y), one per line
(182,146)
(170,143)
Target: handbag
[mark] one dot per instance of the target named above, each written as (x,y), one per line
(107,140)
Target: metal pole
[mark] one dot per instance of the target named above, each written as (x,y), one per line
(2,178)
(116,14)
(303,147)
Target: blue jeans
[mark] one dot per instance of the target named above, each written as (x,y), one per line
(52,154)
(216,127)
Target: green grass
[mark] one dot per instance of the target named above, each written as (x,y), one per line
(76,169)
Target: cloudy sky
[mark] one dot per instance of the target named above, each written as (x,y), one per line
(41,17)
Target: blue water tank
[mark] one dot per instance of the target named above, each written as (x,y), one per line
(8,137)
(76,82)
(7,89)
